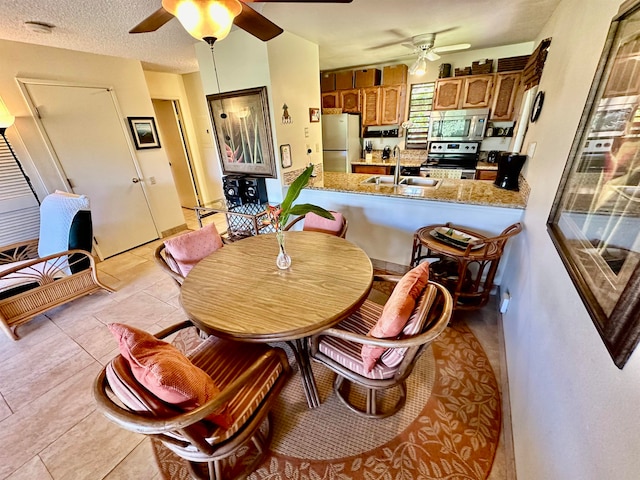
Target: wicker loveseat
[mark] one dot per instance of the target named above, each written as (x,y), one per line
(41,274)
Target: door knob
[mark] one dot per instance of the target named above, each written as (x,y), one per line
(135,180)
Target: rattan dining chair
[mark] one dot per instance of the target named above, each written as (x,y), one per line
(177,255)
(340,349)
(249,377)
(316,223)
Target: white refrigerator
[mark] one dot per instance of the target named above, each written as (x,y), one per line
(340,141)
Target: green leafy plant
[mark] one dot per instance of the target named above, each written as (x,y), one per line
(279,215)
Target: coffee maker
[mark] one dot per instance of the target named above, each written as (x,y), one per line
(509,166)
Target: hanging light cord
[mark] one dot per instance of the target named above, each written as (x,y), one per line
(24,174)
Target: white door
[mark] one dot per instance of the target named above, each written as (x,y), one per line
(86,133)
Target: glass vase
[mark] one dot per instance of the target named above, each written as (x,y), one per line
(283,261)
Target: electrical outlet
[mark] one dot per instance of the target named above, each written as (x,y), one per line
(317,148)
(152,180)
(504,302)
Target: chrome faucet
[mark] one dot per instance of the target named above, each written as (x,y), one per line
(396,172)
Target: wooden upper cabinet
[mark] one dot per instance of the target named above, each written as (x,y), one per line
(392,104)
(371,106)
(448,93)
(505,92)
(350,100)
(477,91)
(395,74)
(327,81)
(331,100)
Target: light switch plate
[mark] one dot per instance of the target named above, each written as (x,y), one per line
(531,149)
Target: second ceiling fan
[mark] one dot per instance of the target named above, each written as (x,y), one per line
(423,45)
(211,20)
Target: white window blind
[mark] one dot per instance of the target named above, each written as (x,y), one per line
(420,105)
(19,211)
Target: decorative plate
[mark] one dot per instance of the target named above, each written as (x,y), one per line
(455,237)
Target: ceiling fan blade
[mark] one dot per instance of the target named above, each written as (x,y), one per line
(432,56)
(451,48)
(257,25)
(153,22)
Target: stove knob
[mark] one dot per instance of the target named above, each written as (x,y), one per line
(598,145)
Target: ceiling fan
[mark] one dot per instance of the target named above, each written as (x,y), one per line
(423,45)
(211,20)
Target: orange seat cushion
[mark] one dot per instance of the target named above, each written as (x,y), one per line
(189,248)
(396,312)
(165,372)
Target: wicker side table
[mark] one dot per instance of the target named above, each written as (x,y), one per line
(468,273)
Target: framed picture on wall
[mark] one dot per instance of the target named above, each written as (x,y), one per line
(595,218)
(314,115)
(243,132)
(285,156)
(145,134)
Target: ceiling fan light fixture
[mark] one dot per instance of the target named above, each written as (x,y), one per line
(419,68)
(204,19)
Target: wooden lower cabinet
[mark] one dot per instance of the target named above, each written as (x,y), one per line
(486,174)
(372,169)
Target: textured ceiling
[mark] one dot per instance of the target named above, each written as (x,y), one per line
(364,32)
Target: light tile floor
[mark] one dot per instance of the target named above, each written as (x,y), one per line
(49,426)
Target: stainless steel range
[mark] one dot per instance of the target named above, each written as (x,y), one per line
(459,158)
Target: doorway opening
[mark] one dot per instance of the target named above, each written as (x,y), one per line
(174,139)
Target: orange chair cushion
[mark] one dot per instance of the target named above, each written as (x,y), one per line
(165,372)
(396,312)
(189,248)
(316,223)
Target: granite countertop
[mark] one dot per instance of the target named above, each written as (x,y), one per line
(472,192)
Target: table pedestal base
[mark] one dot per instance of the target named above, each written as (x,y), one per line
(300,349)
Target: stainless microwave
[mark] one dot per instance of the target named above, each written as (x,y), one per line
(458,125)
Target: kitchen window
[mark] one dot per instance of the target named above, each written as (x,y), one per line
(420,106)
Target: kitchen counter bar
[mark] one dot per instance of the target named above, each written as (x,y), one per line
(472,192)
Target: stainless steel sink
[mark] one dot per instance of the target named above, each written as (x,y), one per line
(404,181)
(380,180)
(420,181)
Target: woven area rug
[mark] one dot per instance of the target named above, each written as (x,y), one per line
(449,428)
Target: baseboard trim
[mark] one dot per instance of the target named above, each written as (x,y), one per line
(174,230)
(510,456)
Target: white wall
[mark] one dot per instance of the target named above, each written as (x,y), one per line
(574,413)
(123,75)
(293,64)
(209,174)
(288,67)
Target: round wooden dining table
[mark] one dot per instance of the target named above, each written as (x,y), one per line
(239,293)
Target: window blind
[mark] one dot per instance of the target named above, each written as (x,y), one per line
(420,105)
(19,210)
